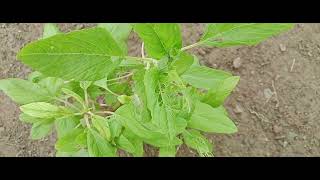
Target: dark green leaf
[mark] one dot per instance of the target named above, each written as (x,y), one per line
(169,151)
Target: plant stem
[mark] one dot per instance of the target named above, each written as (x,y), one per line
(121,77)
(191,46)
(154,61)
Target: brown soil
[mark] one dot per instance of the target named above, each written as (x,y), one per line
(285,124)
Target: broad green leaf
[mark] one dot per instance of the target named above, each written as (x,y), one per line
(209,119)
(217,96)
(81,139)
(135,141)
(52,84)
(43,110)
(125,144)
(160,39)
(98,146)
(139,89)
(180,125)
(115,128)
(67,143)
(195,140)
(101,124)
(169,151)
(29,119)
(204,77)
(80,55)
(41,129)
(124,99)
(183,62)
(65,124)
(50,29)
(233,34)
(151,80)
(127,116)
(24,92)
(120,32)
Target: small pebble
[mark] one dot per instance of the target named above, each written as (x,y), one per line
(202,52)
(237,63)
(277,129)
(267,93)
(282,48)
(238,109)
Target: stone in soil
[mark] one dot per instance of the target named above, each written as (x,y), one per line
(237,63)
(282,47)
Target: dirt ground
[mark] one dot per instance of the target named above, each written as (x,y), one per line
(276,105)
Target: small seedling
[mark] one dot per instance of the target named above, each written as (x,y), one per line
(100,100)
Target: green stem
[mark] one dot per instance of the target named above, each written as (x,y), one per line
(191,46)
(154,61)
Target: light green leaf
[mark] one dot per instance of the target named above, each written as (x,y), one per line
(52,84)
(169,151)
(120,32)
(24,92)
(80,153)
(67,143)
(50,29)
(151,79)
(135,141)
(85,84)
(195,140)
(209,119)
(80,55)
(183,62)
(204,77)
(29,119)
(233,34)
(160,39)
(115,128)
(101,124)
(66,124)
(74,95)
(35,77)
(41,129)
(125,144)
(98,146)
(43,110)
(216,97)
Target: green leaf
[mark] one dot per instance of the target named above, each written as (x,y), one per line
(80,55)
(50,29)
(67,143)
(120,32)
(66,124)
(183,62)
(41,129)
(24,92)
(28,119)
(80,153)
(209,119)
(35,77)
(52,84)
(115,128)
(233,34)
(101,124)
(160,39)
(217,96)
(85,84)
(151,79)
(204,77)
(195,140)
(135,141)
(43,110)
(169,151)
(98,146)
(74,95)
(125,144)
